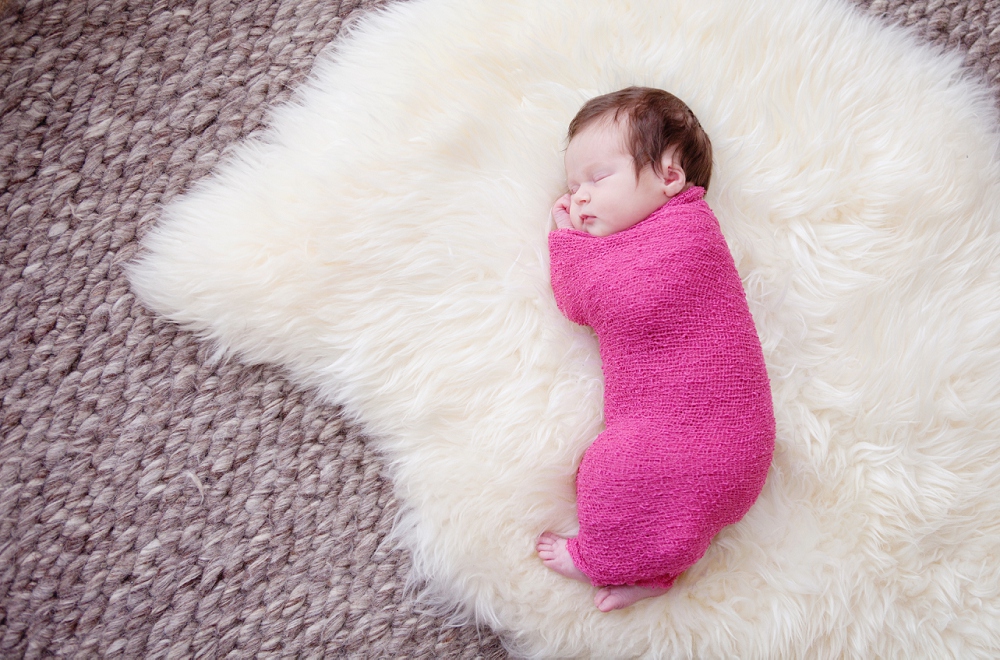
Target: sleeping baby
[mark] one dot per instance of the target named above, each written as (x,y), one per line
(638,256)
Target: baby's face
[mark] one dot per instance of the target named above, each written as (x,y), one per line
(605,195)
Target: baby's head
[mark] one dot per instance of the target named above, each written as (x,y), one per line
(629,152)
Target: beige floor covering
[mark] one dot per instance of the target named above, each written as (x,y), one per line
(154,502)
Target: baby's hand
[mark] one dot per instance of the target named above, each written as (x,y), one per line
(560,213)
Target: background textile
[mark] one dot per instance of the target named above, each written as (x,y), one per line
(154,500)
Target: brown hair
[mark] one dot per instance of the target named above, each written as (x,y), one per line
(656,121)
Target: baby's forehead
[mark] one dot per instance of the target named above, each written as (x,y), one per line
(607,124)
(596,140)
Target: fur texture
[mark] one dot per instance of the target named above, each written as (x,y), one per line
(385,242)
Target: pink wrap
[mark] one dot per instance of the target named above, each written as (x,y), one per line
(687,401)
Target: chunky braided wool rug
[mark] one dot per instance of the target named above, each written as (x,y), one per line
(155,500)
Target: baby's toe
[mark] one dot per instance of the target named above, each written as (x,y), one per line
(605,600)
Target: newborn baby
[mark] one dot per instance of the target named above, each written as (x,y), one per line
(639,257)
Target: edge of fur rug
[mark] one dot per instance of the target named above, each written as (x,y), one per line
(384,241)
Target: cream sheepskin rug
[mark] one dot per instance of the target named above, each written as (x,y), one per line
(385,241)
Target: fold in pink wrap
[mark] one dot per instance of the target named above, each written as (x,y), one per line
(687,402)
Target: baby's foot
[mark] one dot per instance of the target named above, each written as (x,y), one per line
(619,596)
(552,550)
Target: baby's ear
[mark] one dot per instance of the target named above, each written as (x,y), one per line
(672,175)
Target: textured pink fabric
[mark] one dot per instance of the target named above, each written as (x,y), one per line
(687,401)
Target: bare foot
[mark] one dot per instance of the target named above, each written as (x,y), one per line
(551,548)
(618,596)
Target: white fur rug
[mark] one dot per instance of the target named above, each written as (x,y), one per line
(385,242)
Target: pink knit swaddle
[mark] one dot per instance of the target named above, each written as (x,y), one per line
(687,401)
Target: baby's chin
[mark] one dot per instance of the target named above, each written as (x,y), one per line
(592,225)
(599,227)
